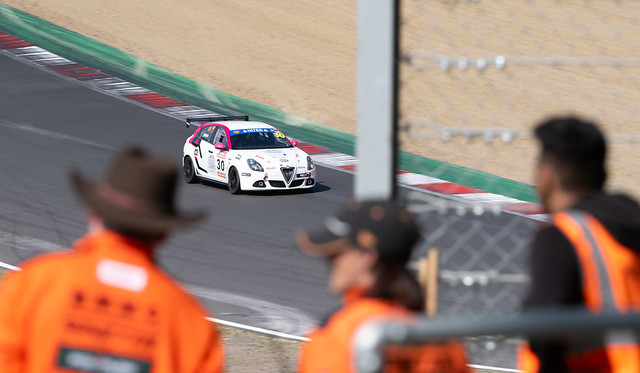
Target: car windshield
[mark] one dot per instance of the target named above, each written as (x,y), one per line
(258,138)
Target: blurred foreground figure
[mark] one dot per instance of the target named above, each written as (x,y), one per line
(368,246)
(589,255)
(104,306)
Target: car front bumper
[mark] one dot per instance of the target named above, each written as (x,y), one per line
(277,180)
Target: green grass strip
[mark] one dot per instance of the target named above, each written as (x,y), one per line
(97,55)
(467,177)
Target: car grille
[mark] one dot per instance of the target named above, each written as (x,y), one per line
(296,183)
(276,183)
(288,173)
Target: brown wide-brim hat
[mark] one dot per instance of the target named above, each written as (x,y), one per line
(137,195)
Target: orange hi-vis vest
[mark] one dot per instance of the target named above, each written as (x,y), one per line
(102,307)
(330,348)
(610,283)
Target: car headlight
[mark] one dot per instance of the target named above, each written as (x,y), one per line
(254,165)
(310,165)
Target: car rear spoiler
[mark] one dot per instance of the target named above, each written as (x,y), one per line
(216,119)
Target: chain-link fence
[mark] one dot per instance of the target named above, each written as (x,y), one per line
(482,266)
(475,77)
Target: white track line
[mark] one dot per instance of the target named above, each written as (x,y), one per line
(258,330)
(287,320)
(9,266)
(485,367)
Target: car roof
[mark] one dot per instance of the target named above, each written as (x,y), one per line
(238,124)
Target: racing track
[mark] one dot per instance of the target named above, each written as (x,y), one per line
(243,255)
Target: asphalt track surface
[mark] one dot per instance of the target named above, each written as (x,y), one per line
(241,261)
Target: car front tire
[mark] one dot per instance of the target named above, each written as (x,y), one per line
(234,181)
(189,171)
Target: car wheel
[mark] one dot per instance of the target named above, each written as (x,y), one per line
(234,181)
(188,171)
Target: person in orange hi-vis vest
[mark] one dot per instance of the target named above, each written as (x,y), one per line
(368,246)
(588,256)
(104,306)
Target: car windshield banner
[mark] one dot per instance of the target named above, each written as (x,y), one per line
(252,130)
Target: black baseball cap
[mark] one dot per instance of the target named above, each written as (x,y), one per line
(383,226)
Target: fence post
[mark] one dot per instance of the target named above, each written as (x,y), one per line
(428,279)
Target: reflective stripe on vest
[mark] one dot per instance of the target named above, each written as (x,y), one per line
(607,302)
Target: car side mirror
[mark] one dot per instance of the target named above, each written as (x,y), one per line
(294,142)
(219,146)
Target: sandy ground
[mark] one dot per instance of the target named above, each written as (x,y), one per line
(249,352)
(561,57)
(300,57)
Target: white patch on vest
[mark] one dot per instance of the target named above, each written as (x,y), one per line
(122,275)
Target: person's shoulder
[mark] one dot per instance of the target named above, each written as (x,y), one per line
(40,268)
(46,261)
(362,310)
(175,293)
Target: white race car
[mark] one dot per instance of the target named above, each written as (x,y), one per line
(245,155)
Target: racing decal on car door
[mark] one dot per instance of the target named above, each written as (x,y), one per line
(212,162)
(221,165)
(216,162)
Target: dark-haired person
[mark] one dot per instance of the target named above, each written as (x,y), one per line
(104,306)
(590,253)
(368,246)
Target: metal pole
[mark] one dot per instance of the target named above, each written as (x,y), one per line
(376,146)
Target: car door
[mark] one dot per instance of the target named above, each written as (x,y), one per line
(219,162)
(207,150)
(202,141)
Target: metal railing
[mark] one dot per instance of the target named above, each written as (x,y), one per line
(373,337)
